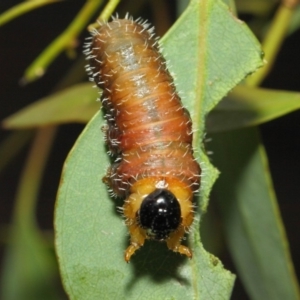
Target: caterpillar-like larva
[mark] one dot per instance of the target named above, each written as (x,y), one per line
(149,133)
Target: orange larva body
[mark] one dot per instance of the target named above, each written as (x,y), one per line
(149,131)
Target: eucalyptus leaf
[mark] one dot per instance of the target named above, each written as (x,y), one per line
(210,52)
(251,219)
(74,104)
(248,106)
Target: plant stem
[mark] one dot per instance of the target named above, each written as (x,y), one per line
(105,14)
(272,42)
(31,178)
(62,42)
(21,9)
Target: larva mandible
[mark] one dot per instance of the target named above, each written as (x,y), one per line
(148,131)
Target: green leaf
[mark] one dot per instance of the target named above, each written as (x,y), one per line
(90,236)
(91,239)
(252,222)
(210,56)
(249,106)
(75,104)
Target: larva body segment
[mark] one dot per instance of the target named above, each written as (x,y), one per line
(148,131)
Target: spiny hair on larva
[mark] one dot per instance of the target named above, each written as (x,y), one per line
(87,46)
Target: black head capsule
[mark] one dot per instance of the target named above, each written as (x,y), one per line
(159,214)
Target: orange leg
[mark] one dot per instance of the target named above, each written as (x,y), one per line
(137,240)
(130,251)
(137,234)
(173,243)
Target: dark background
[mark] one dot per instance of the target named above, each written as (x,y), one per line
(24,38)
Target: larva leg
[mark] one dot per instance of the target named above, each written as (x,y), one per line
(137,240)
(174,243)
(130,251)
(137,234)
(104,129)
